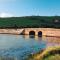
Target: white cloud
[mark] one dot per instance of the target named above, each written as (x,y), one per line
(4,14)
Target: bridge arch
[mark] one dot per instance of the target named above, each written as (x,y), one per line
(32,33)
(40,33)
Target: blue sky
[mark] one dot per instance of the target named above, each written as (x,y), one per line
(29,7)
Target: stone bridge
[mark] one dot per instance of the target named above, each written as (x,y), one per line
(42,31)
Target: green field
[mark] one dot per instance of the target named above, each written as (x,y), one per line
(31,22)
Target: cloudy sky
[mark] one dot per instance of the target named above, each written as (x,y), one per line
(9,8)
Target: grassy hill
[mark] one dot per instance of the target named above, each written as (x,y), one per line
(31,22)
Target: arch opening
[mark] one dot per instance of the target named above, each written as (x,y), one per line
(31,33)
(40,33)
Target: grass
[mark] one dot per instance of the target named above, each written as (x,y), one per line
(53,57)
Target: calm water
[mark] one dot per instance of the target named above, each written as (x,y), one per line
(20,46)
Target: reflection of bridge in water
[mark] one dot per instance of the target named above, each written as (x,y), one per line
(50,41)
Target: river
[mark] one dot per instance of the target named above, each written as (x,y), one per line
(20,46)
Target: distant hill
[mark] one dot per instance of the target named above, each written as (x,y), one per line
(31,22)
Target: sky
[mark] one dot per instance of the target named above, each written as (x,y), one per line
(17,8)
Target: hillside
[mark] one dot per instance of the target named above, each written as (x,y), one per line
(31,22)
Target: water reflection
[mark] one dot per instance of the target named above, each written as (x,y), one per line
(52,41)
(35,37)
(31,36)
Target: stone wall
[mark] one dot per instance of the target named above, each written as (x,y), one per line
(11,31)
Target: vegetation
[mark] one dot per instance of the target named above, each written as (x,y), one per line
(31,22)
(53,57)
(51,53)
